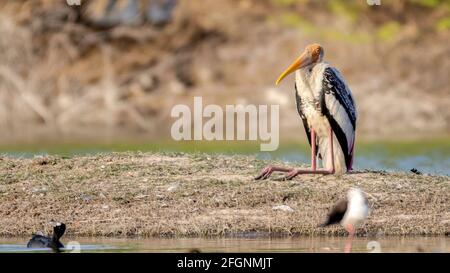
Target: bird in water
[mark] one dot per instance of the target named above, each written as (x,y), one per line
(328,112)
(40,241)
(350,212)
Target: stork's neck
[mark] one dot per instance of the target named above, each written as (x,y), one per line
(309,79)
(312,69)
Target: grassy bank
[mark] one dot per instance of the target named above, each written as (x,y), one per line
(153,194)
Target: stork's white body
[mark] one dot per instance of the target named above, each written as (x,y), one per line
(309,82)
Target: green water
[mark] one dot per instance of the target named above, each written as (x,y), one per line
(430,156)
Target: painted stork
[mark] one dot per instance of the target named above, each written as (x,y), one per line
(350,212)
(327,109)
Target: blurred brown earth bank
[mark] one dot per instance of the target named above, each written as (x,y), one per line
(114,69)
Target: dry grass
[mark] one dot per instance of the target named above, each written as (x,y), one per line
(150,194)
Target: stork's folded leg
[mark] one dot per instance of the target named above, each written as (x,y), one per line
(330,137)
(268,170)
(293,173)
(313,150)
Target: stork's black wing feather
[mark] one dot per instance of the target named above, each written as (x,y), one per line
(338,106)
(333,85)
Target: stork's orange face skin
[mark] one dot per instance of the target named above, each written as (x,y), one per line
(315,50)
(312,54)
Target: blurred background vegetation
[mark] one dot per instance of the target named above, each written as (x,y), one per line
(112,70)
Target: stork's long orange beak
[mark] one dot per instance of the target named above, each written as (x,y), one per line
(302,61)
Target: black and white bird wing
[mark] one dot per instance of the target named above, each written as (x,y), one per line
(298,99)
(338,106)
(336,213)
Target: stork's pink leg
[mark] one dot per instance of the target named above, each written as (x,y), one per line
(330,135)
(291,173)
(268,170)
(313,150)
(313,169)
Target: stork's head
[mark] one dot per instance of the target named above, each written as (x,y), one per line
(311,55)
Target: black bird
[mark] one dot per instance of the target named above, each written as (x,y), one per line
(40,241)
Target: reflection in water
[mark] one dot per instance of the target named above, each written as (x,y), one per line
(290,244)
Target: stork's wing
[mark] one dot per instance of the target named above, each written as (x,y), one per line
(338,106)
(298,99)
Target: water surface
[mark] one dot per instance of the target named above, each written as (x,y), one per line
(250,245)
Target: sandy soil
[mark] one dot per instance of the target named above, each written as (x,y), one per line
(150,194)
